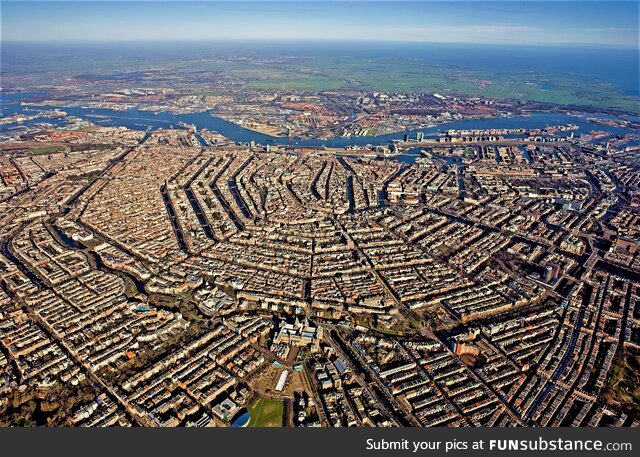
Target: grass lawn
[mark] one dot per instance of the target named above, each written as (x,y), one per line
(46,149)
(266,413)
(624,385)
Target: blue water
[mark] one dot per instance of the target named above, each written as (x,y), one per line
(16,96)
(141,120)
(241,420)
(618,67)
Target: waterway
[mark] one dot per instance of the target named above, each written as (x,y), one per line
(141,120)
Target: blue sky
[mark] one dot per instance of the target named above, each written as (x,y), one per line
(602,23)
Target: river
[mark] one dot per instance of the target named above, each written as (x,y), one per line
(141,120)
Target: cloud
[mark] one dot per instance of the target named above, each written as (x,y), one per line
(525,23)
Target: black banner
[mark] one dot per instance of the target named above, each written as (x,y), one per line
(322,442)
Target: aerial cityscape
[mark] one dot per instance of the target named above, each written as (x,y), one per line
(319,215)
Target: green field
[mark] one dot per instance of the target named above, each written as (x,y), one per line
(266,413)
(291,83)
(384,73)
(402,75)
(46,149)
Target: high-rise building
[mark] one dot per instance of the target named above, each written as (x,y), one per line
(552,271)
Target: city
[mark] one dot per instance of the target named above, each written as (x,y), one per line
(471,287)
(183,247)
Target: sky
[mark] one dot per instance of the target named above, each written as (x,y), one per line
(583,23)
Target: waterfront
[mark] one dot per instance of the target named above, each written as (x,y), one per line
(141,120)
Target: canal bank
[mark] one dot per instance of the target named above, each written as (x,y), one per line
(140,120)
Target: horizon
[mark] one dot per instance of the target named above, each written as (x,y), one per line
(538,24)
(282,41)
